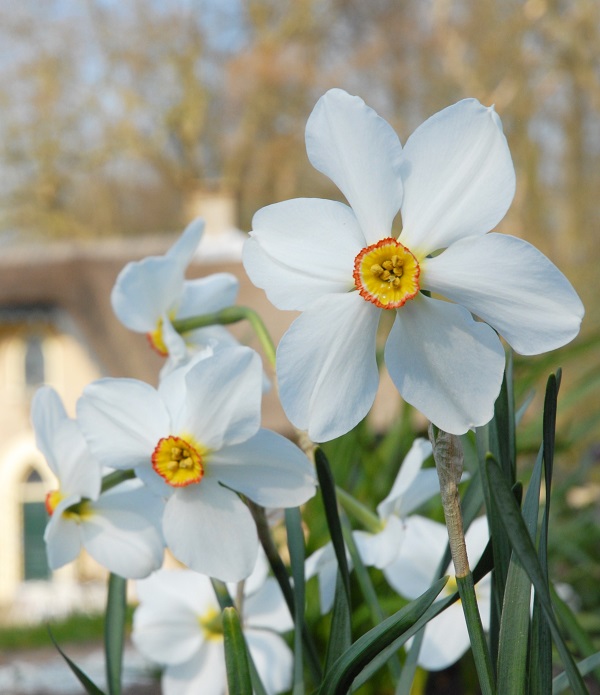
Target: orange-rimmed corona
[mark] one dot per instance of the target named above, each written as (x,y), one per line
(53,499)
(178,461)
(386,274)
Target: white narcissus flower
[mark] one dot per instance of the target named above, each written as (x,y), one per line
(149,294)
(412,487)
(197,440)
(343,266)
(120,528)
(178,625)
(446,638)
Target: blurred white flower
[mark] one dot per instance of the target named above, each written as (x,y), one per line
(149,294)
(120,528)
(197,441)
(178,625)
(414,571)
(412,487)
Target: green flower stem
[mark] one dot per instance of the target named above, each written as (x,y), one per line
(116,478)
(357,509)
(282,577)
(232,314)
(481,652)
(449,460)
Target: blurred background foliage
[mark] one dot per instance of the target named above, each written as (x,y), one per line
(112,114)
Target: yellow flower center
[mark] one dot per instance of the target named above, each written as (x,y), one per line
(76,512)
(386,274)
(155,338)
(211,624)
(178,461)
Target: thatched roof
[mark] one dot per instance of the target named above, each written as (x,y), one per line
(77,278)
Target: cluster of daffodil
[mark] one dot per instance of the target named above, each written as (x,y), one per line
(143,468)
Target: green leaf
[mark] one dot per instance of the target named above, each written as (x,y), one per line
(114,632)
(514,626)
(327,485)
(541,642)
(516,531)
(483,567)
(236,655)
(293,522)
(341,622)
(479,647)
(90,687)
(339,678)
(561,682)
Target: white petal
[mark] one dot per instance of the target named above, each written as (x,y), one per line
(47,414)
(79,472)
(326,366)
(222,398)
(205,295)
(123,534)
(300,250)
(510,285)
(209,529)
(476,539)
(62,536)
(323,563)
(174,341)
(268,469)
(409,471)
(380,549)
(421,551)
(445,364)
(266,608)
(166,633)
(184,248)
(167,589)
(458,177)
(145,290)
(204,674)
(273,660)
(122,421)
(446,639)
(360,152)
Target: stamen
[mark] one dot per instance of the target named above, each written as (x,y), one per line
(386,274)
(178,461)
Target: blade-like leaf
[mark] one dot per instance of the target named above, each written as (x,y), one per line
(114,632)
(236,655)
(541,643)
(327,485)
(293,522)
(341,622)
(514,625)
(561,682)
(90,687)
(515,529)
(339,679)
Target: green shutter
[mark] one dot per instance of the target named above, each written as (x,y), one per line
(34,548)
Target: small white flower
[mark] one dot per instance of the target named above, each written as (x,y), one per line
(343,266)
(414,571)
(178,625)
(412,487)
(149,294)
(120,529)
(197,441)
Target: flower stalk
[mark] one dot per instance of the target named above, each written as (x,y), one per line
(449,463)
(232,314)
